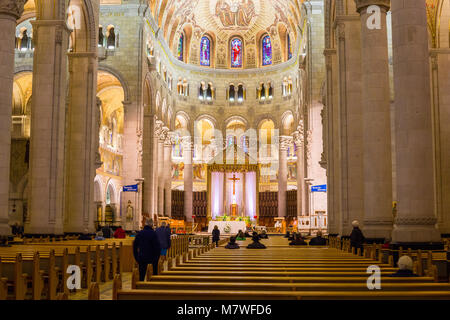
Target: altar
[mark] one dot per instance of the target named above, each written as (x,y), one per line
(234,226)
(232,185)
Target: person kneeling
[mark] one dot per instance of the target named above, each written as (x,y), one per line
(256,244)
(240,236)
(232,244)
(263,235)
(405,265)
(298,240)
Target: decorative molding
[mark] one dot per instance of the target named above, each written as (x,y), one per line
(12,7)
(285,142)
(362,5)
(416,221)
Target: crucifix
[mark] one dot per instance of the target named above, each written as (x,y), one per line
(234,204)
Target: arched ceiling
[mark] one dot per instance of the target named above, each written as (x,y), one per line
(222,19)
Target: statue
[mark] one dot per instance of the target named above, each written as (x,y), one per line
(130,214)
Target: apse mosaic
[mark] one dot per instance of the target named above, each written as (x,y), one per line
(235,14)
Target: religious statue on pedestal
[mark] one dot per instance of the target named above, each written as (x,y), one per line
(130,211)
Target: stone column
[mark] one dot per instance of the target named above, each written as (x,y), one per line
(377,159)
(168,174)
(80,142)
(48,122)
(156,168)
(10,11)
(188,149)
(282,174)
(298,140)
(416,220)
(148,163)
(161,168)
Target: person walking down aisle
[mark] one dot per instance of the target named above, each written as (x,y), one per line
(146,249)
(216,235)
(163,234)
(356,237)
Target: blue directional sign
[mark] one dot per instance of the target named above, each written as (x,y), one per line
(319,188)
(132,188)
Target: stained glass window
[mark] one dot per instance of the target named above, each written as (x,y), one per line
(236,53)
(205,52)
(266,51)
(180,54)
(289,47)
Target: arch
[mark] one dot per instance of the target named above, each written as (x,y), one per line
(98,190)
(90,27)
(120,78)
(287,120)
(111,189)
(182,124)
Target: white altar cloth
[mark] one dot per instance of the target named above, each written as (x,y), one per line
(235,226)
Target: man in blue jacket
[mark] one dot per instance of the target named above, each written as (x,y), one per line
(163,234)
(146,249)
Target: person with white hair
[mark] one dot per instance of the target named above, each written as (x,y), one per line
(356,237)
(146,249)
(405,267)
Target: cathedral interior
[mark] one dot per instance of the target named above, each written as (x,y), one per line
(292,117)
(323,114)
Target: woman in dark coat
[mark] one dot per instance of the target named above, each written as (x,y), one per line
(356,237)
(216,235)
(256,244)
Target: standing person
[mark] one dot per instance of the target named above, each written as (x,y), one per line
(356,237)
(146,249)
(216,235)
(163,234)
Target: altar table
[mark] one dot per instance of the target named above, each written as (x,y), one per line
(235,226)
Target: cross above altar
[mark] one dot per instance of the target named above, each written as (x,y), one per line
(234,179)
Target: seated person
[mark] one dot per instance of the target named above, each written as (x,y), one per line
(240,236)
(386,244)
(298,240)
(405,265)
(263,235)
(85,235)
(246,234)
(256,244)
(107,232)
(287,235)
(120,233)
(318,240)
(232,244)
(99,236)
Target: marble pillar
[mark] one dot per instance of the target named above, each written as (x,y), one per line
(48,124)
(377,158)
(156,168)
(188,150)
(416,220)
(80,143)
(298,140)
(282,174)
(168,143)
(148,141)
(161,168)
(10,11)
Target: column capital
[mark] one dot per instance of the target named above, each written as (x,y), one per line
(170,139)
(12,7)
(163,134)
(285,142)
(187,143)
(298,138)
(362,5)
